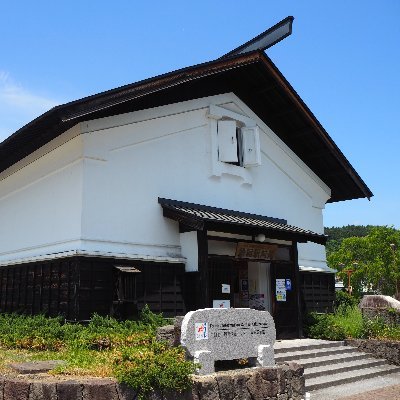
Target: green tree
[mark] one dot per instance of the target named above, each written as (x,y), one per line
(374,259)
(337,234)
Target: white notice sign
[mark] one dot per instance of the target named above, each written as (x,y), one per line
(226,288)
(221,304)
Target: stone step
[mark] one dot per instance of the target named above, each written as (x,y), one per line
(346,366)
(328,359)
(325,381)
(313,353)
(303,345)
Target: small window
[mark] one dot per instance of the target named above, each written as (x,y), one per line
(238,146)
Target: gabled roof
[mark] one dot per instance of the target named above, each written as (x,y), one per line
(252,76)
(198,217)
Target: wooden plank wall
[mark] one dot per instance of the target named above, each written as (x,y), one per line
(317,291)
(40,288)
(77,287)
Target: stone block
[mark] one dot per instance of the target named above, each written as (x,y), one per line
(69,390)
(36,367)
(257,386)
(207,388)
(125,392)
(282,397)
(296,368)
(265,356)
(166,334)
(239,387)
(229,334)
(206,361)
(298,385)
(224,381)
(15,389)
(177,329)
(43,391)
(99,389)
(269,374)
(1,388)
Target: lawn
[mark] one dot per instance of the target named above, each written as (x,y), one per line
(105,347)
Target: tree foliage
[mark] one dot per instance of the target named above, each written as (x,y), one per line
(337,234)
(374,259)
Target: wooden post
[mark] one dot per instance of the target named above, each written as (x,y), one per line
(203,292)
(297,288)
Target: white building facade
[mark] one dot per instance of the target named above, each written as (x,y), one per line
(181,195)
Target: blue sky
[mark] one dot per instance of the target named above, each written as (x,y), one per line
(343,59)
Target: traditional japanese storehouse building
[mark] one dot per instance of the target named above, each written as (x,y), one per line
(202,187)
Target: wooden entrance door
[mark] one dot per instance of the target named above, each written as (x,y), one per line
(285,310)
(222,270)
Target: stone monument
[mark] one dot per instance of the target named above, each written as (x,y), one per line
(214,334)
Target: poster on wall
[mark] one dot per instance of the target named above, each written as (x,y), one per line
(257,301)
(221,304)
(280,290)
(280,295)
(288,284)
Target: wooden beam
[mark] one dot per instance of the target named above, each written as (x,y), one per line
(203,292)
(295,259)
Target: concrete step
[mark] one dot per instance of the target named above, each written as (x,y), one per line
(325,381)
(331,366)
(287,346)
(313,353)
(345,366)
(363,389)
(328,359)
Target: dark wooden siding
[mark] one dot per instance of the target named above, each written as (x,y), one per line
(77,287)
(317,291)
(47,287)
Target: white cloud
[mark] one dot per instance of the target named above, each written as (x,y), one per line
(18,105)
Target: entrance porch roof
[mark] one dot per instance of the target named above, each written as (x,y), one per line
(199,217)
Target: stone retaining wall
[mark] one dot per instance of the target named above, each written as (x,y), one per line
(285,382)
(389,350)
(390,317)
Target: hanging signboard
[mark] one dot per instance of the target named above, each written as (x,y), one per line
(255,251)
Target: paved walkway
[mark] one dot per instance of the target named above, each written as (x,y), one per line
(386,393)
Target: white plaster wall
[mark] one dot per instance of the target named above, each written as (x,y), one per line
(94,189)
(41,203)
(166,152)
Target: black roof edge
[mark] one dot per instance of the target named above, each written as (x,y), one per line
(61,115)
(133,86)
(324,135)
(166,202)
(269,30)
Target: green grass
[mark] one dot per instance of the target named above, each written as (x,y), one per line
(104,347)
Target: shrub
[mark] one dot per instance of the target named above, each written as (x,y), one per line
(344,300)
(324,326)
(151,319)
(155,367)
(376,328)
